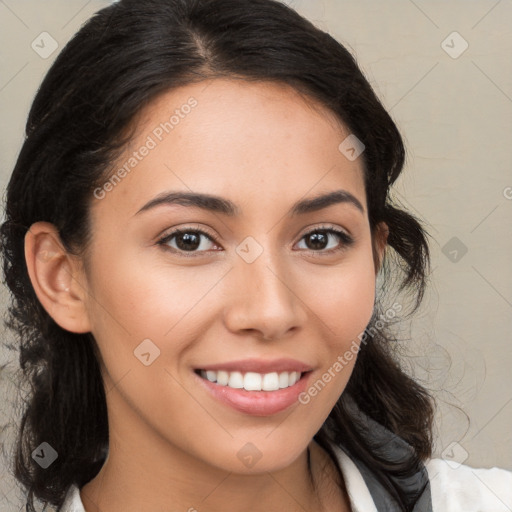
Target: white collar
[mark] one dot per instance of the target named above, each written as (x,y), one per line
(360,498)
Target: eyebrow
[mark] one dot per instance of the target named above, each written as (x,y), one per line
(225,206)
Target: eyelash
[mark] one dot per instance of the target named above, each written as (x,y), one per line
(346,240)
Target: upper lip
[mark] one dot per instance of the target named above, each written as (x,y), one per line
(260,366)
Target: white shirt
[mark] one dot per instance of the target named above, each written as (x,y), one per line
(453,488)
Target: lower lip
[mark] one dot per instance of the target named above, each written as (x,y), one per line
(257,403)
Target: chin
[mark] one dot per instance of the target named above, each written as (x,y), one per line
(259,457)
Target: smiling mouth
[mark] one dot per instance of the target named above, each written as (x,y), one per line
(251,381)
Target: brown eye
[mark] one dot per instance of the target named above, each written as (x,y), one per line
(318,240)
(186,241)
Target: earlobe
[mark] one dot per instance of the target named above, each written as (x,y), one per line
(55,277)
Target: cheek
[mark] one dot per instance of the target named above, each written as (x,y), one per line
(133,299)
(344,307)
(126,308)
(356,303)
(135,292)
(344,300)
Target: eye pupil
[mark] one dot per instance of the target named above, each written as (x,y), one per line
(191,241)
(318,238)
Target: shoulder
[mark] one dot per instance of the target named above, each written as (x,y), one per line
(457,487)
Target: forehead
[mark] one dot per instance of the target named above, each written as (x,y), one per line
(235,138)
(235,94)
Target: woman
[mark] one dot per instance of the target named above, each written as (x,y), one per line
(194,230)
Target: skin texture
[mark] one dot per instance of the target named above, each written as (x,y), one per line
(172,445)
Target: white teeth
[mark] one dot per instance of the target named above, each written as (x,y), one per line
(222,378)
(236,380)
(270,382)
(252,381)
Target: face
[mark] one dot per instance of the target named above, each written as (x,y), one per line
(249,285)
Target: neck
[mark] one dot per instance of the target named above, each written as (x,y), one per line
(118,488)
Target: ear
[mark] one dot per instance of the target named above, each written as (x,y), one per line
(379,244)
(56,277)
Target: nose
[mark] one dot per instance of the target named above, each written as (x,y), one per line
(264,299)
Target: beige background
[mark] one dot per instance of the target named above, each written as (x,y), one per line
(455,113)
